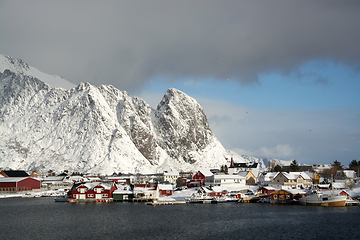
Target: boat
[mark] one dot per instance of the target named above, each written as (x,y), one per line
(318,198)
(199,198)
(165,201)
(226,199)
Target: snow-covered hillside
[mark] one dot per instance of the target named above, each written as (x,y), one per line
(98,129)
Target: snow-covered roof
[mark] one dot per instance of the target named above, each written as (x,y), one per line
(94,178)
(292,191)
(240,187)
(269,175)
(206,172)
(339,184)
(92,185)
(12,179)
(267,188)
(219,188)
(242,173)
(228,177)
(310,174)
(295,175)
(171,173)
(165,187)
(54,178)
(123,189)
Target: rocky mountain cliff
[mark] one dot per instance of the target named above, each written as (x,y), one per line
(98,129)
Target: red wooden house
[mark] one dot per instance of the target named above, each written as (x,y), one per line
(14,184)
(265,190)
(165,189)
(198,178)
(93,191)
(286,195)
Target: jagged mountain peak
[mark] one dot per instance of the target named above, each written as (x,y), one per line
(13,64)
(18,66)
(100,129)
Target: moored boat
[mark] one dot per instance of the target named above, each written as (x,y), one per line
(226,199)
(199,198)
(318,198)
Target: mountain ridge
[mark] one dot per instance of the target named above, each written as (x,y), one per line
(84,128)
(102,129)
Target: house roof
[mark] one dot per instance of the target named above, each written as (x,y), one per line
(269,175)
(123,189)
(15,179)
(206,172)
(291,191)
(171,173)
(243,173)
(165,187)
(219,188)
(54,178)
(294,175)
(267,188)
(15,173)
(228,177)
(92,185)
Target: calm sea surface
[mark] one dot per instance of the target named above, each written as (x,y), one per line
(42,218)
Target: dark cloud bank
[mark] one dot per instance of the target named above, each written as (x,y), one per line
(126,43)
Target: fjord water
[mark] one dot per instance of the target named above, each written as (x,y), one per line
(42,218)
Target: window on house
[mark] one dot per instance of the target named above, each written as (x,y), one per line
(275,196)
(287,196)
(105,195)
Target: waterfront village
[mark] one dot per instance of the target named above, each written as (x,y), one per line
(238,182)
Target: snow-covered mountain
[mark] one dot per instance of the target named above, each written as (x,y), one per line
(56,126)
(47,123)
(19,67)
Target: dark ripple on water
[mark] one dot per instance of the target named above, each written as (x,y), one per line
(42,218)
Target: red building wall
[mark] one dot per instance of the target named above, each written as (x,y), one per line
(30,182)
(21,185)
(93,192)
(265,191)
(7,184)
(165,193)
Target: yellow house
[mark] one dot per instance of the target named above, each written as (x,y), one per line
(250,177)
(315,177)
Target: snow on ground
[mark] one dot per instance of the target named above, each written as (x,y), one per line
(41,193)
(181,195)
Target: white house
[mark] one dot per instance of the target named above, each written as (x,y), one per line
(171,176)
(266,177)
(225,180)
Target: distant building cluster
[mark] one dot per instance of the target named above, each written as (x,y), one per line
(238,181)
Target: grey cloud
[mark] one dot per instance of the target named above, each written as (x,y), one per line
(126,43)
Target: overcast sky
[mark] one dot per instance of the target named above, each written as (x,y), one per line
(277,79)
